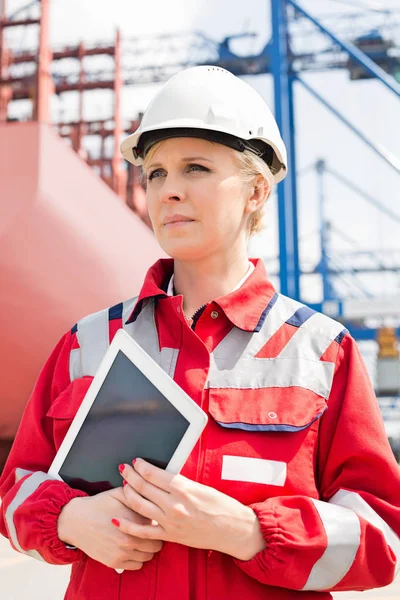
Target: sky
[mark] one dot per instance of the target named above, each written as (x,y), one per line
(367,104)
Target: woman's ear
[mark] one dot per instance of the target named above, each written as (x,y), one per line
(259,194)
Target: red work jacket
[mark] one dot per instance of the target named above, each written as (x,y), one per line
(294,432)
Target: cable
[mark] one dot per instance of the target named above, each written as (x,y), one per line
(22,8)
(377,8)
(344,236)
(364,194)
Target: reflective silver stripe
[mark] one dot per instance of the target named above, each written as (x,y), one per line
(127,308)
(144,331)
(21,473)
(244,344)
(257,373)
(75,364)
(340,517)
(343,532)
(312,339)
(356,503)
(28,487)
(168,359)
(233,363)
(93,338)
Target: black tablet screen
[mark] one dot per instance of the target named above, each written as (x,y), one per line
(129,418)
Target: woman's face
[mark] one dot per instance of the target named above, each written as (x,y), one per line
(197,203)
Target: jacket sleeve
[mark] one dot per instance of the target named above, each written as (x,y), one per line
(31,499)
(348,539)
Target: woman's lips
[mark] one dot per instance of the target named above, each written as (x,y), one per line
(174,224)
(177,221)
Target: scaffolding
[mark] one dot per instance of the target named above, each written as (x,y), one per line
(35,81)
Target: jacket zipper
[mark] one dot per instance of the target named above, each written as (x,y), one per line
(195,317)
(191,551)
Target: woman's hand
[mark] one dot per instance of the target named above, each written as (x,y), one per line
(86,524)
(188,513)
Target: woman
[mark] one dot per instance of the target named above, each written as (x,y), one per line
(281,498)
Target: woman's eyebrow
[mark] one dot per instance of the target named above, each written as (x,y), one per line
(186,159)
(191,158)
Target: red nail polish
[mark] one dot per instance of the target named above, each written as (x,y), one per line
(115,522)
(134,460)
(121,468)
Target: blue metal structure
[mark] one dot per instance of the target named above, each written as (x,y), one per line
(323,266)
(336,266)
(391,160)
(366,334)
(280,57)
(284,114)
(352,50)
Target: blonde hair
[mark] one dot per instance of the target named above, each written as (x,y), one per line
(151,152)
(250,166)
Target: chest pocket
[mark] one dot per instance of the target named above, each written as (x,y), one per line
(65,407)
(262,442)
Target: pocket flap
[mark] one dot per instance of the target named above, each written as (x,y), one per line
(67,403)
(273,409)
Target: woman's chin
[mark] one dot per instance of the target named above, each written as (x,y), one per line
(185,251)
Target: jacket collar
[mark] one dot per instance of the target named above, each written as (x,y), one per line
(246,308)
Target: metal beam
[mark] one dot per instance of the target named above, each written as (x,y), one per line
(352,186)
(293,183)
(287,202)
(387,156)
(20,23)
(328,291)
(362,334)
(352,270)
(353,51)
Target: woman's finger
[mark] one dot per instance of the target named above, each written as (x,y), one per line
(170,483)
(146,489)
(144,532)
(139,556)
(158,477)
(141,505)
(148,546)
(131,543)
(130,565)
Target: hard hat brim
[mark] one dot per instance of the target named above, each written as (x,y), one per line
(135,146)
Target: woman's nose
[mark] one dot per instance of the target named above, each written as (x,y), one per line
(171,198)
(172,191)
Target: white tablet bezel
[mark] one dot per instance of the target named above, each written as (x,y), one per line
(196,417)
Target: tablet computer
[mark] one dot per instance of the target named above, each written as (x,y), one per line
(132,409)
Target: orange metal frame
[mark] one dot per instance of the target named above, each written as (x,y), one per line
(121,177)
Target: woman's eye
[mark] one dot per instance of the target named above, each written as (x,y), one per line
(195,167)
(156,173)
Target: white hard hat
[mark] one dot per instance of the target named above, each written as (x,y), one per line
(210,103)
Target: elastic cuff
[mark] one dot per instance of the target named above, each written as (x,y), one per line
(277,565)
(61,552)
(261,566)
